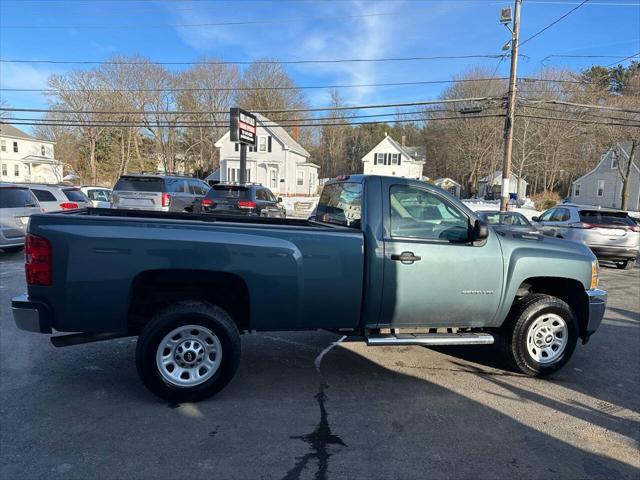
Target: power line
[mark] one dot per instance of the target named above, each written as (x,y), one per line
(553,23)
(226,112)
(247,62)
(625,119)
(577,120)
(548,57)
(233,89)
(584,105)
(625,58)
(212,125)
(310,119)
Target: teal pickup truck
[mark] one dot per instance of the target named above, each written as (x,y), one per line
(389,260)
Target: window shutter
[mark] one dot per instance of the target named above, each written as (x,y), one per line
(386,159)
(237,147)
(375,158)
(269,143)
(399,158)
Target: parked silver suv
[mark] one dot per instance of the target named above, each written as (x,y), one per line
(17,203)
(160,192)
(610,234)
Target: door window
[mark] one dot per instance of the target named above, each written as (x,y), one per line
(177,186)
(261,195)
(44,195)
(560,215)
(546,216)
(417,213)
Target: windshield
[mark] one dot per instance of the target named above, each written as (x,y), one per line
(16,198)
(341,203)
(140,184)
(228,191)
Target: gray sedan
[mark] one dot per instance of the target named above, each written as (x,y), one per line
(17,203)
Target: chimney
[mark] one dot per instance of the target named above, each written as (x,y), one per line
(404,139)
(295,132)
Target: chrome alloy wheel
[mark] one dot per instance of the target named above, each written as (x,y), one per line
(188,356)
(547,338)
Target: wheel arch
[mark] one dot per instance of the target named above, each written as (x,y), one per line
(153,290)
(569,290)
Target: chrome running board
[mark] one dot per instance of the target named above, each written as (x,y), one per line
(431,339)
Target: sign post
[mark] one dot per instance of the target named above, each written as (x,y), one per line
(242,128)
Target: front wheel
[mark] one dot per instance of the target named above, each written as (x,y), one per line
(541,336)
(188,352)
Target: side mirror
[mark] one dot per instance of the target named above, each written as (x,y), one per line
(480,230)
(279,199)
(535,219)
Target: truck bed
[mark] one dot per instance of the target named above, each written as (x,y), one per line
(301,274)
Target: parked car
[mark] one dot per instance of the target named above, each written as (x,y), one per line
(160,192)
(100,197)
(17,203)
(507,221)
(610,234)
(53,198)
(241,199)
(390,260)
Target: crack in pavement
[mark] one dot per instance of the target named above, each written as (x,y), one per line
(321,437)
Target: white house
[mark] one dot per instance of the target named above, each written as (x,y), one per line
(603,185)
(24,158)
(278,161)
(491,186)
(450,185)
(394,159)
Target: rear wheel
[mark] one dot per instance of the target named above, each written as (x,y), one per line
(541,336)
(188,352)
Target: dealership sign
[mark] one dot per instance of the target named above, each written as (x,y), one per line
(243,127)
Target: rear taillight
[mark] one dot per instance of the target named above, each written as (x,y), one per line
(581,225)
(246,204)
(166,199)
(68,205)
(206,202)
(37,260)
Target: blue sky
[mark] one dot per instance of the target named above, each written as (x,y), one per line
(315,29)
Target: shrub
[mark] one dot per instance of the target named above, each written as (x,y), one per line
(545,200)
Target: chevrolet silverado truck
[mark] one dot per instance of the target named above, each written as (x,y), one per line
(387,260)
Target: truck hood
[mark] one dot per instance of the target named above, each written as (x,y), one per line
(546,246)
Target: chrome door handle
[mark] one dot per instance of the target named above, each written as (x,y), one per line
(406,258)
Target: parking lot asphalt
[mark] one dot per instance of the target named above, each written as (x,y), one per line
(365,412)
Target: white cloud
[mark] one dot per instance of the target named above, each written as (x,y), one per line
(15,75)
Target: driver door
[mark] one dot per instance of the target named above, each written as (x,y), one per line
(433,274)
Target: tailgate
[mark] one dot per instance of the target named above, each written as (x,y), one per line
(142,200)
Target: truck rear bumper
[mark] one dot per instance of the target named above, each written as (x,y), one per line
(31,316)
(597,305)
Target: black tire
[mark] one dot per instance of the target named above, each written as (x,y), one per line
(13,249)
(188,313)
(625,264)
(514,340)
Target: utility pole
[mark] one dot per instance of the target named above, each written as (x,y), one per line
(511,109)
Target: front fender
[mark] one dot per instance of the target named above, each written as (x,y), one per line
(528,257)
